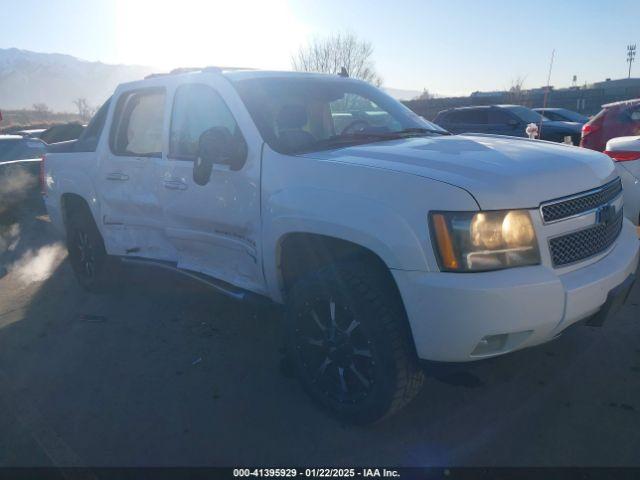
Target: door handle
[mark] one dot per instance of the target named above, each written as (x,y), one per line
(175,185)
(118,176)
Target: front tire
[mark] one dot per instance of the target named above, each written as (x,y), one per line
(349,342)
(93,268)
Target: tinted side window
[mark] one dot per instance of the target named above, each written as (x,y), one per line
(634,114)
(475,116)
(498,116)
(197,108)
(88,141)
(137,124)
(452,117)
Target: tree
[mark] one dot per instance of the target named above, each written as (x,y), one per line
(337,51)
(41,110)
(84,110)
(425,95)
(517,94)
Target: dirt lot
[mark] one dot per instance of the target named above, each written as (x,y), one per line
(168,373)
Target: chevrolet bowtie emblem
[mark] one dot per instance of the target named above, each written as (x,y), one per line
(605,214)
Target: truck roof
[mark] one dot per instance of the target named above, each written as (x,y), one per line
(230,73)
(472,107)
(245,74)
(622,102)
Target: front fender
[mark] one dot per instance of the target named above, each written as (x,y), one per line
(383,211)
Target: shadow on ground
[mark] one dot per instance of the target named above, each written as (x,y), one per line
(165,372)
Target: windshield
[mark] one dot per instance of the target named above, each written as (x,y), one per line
(527,115)
(573,116)
(300,114)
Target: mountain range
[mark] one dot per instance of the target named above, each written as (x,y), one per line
(28,78)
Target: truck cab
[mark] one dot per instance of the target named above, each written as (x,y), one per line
(389,241)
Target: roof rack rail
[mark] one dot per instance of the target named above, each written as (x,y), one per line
(175,71)
(208,69)
(155,75)
(216,68)
(178,71)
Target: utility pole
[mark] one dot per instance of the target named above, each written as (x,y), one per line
(631,55)
(546,91)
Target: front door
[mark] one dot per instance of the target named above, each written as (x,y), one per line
(215,227)
(504,123)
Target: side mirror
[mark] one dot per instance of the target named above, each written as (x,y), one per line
(218,145)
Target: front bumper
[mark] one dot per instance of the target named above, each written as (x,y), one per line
(451,313)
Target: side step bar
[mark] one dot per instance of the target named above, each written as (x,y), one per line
(218,285)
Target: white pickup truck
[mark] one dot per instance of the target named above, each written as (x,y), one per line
(388,240)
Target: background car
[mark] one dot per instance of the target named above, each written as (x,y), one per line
(619,119)
(32,132)
(562,115)
(625,152)
(19,170)
(62,133)
(509,120)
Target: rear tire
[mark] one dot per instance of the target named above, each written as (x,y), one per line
(94,269)
(349,342)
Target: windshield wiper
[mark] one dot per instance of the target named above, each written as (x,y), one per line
(418,130)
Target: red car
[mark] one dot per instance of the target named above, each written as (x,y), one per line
(619,119)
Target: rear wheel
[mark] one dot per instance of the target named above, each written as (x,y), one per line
(349,342)
(94,269)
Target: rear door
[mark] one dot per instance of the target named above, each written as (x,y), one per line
(128,176)
(215,228)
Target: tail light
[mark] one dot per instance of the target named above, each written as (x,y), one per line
(623,156)
(588,128)
(594,124)
(43,184)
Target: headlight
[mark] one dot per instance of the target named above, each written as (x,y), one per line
(477,241)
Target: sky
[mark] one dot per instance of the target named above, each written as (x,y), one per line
(448,47)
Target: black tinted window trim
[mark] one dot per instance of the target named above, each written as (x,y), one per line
(87,141)
(117,113)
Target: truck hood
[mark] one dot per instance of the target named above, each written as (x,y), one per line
(499,172)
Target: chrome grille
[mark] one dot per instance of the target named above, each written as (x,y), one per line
(581,203)
(585,243)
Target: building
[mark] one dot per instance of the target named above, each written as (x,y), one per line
(587,99)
